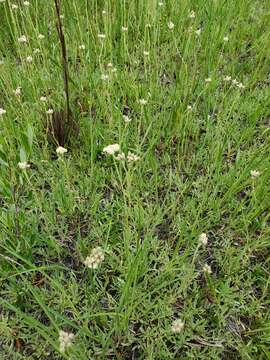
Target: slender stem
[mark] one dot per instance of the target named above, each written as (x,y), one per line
(64,55)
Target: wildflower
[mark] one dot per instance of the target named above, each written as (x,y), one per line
(26,3)
(65,340)
(254,173)
(226,38)
(203,239)
(227,78)
(126,119)
(235,82)
(124,29)
(120,157)
(177,326)
(160,3)
(82,47)
(62,16)
(192,14)
(111,149)
(23,165)
(49,111)
(132,157)
(40,36)
(114,70)
(142,102)
(17,91)
(207,269)
(104,77)
(95,258)
(103,12)
(189,107)
(43,98)
(198,32)
(29,59)
(14,7)
(101,36)
(22,39)
(109,65)
(61,150)
(170,25)
(240,85)
(208,80)
(36,51)
(146,53)
(2,111)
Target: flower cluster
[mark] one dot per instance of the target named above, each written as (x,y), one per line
(177,326)
(65,340)
(95,258)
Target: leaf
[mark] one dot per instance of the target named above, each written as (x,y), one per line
(23,156)
(30,135)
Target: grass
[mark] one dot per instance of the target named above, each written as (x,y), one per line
(197,141)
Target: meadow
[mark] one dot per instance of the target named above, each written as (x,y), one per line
(135,214)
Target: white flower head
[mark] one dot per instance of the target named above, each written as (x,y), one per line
(65,340)
(177,326)
(101,36)
(227,78)
(22,39)
(61,150)
(192,14)
(95,258)
(109,65)
(120,157)
(40,36)
(254,173)
(29,59)
(235,82)
(26,3)
(198,32)
(126,119)
(43,98)
(207,269)
(240,85)
(103,12)
(105,77)
(208,80)
(170,25)
(131,157)
(189,107)
(226,38)
(17,91)
(23,165)
(36,51)
(142,101)
(111,149)
(124,28)
(14,7)
(82,47)
(49,111)
(146,53)
(203,239)
(2,111)
(160,3)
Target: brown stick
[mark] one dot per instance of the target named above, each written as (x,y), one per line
(64,55)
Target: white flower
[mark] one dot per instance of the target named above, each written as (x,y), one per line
(36,51)
(65,340)
(2,111)
(29,59)
(240,85)
(43,98)
(235,82)
(142,102)
(61,150)
(22,39)
(95,258)
(207,269)
(254,173)
(120,157)
(14,7)
(132,157)
(126,119)
(203,239)
(146,53)
(40,36)
(192,14)
(82,47)
(101,36)
(105,77)
(26,3)
(208,80)
(109,65)
(170,25)
(177,326)
(17,91)
(23,165)
(226,38)
(160,3)
(124,29)
(189,107)
(114,70)
(103,12)
(111,149)
(198,32)
(227,78)
(49,111)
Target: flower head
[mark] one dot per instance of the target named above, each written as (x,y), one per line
(132,157)
(14,7)
(82,47)
(29,59)
(26,3)
(208,80)
(177,326)
(198,32)
(43,98)
(207,269)
(17,91)
(111,149)
(126,119)
(142,102)
(227,78)
(40,36)
(95,258)
(226,38)
(2,111)
(49,111)
(22,39)
(124,29)
(120,157)
(203,239)
(105,77)
(101,36)
(192,14)
(65,340)
(170,25)
(254,173)
(61,150)
(23,165)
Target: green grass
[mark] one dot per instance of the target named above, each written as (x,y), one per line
(198,142)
